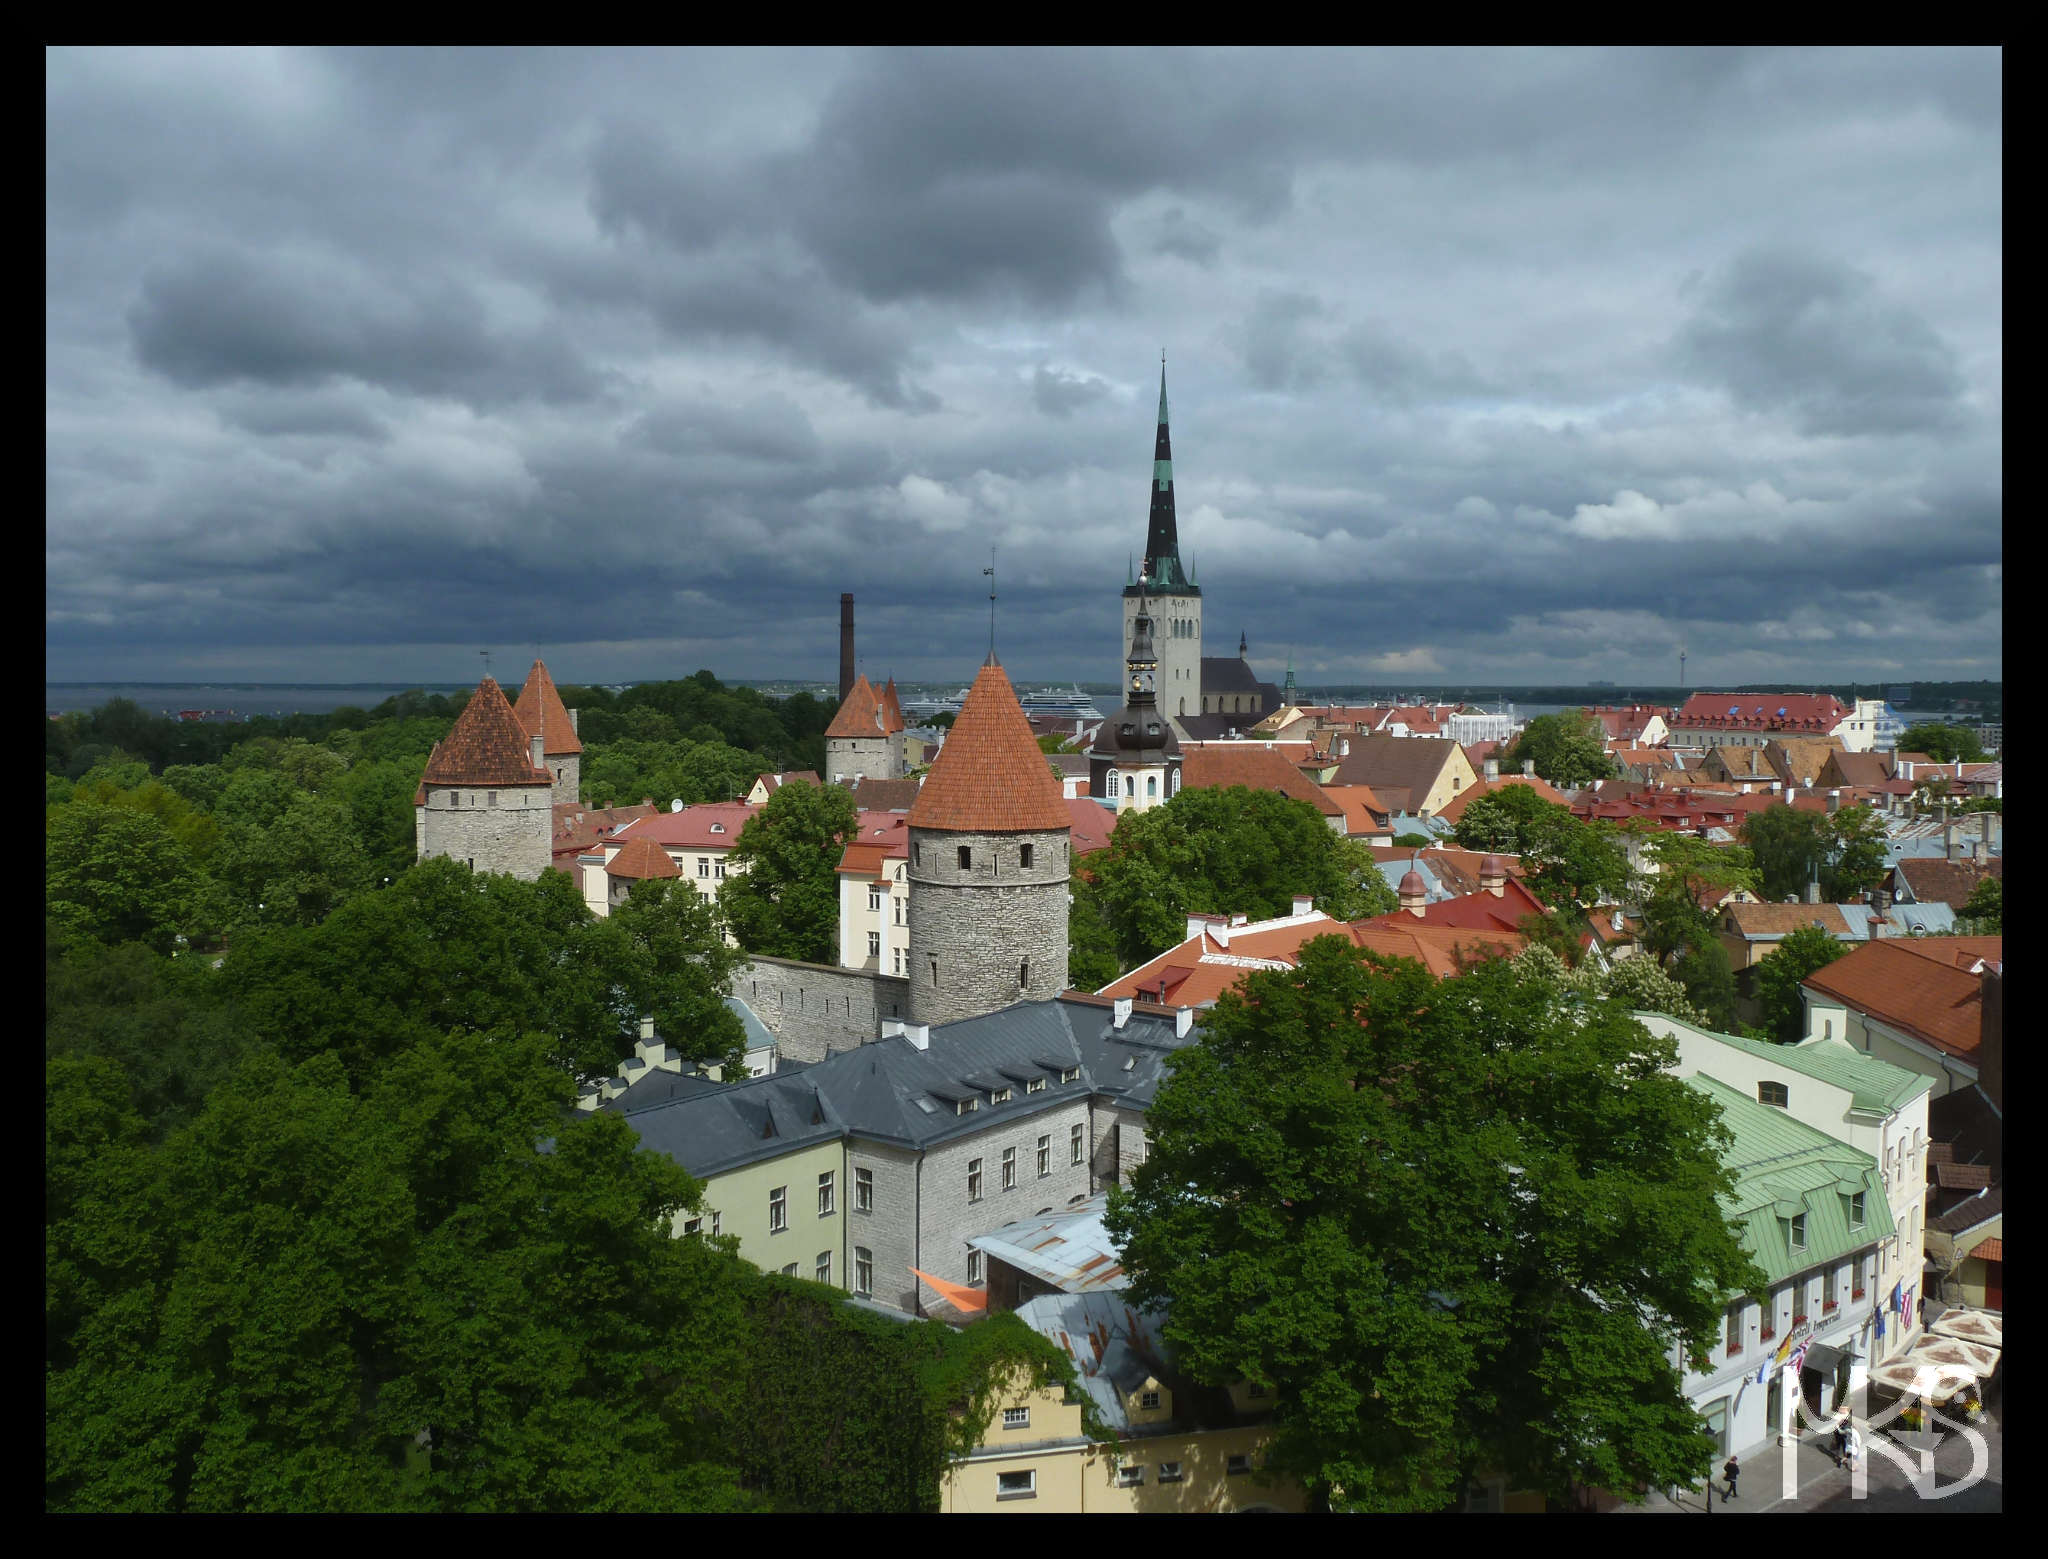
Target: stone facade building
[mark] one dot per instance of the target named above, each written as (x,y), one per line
(541,714)
(486,798)
(864,740)
(990,845)
(1166,592)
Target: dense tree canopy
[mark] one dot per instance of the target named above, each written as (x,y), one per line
(1457,1224)
(1235,851)
(1984,913)
(1673,917)
(781,896)
(1778,980)
(1942,743)
(1566,863)
(1792,847)
(1569,749)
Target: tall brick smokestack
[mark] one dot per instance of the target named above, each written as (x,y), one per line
(845,646)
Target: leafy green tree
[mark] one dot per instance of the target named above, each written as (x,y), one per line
(1790,846)
(1458,1224)
(296,871)
(781,896)
(1414,841)
(115,875)
(1672,914)
(1569,749)
(684,972)
(378,795)
(1638,984)
(199,783)
(1984,913)
(1778,980)
(1234,851)
(1092,960)
(1942,743)
(1565,862)
(1514,820)
(1856,854)
(1709,982)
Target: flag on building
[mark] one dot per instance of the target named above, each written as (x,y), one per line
(1799,1356)
(1906,1307)
(1898,1292)
(1764,1371)
(1880,1320)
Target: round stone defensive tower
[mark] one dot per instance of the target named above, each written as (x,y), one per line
(990,855)
(485,798)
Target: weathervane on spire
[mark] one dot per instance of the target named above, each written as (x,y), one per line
(990,572)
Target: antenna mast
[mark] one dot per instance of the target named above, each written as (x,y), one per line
(486,654)
(990,572)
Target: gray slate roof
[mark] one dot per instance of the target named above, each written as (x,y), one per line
(892,1091)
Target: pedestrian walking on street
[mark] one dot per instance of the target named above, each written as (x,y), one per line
(1731,1472)
(1841,1438)
(1852,1446)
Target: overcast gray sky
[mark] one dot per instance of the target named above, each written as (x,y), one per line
(1516,366)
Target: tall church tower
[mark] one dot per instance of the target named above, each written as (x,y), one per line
(990,847)
(1176,600)
(1135,762)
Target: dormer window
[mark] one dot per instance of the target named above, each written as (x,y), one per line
(1773,1093)
(966,1106)
(718,828)
(1036,1085)
(999,1096)
(1070,1074)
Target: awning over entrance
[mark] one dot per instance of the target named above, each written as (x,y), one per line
(1823,1358)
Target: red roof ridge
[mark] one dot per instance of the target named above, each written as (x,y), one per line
(990,776)
(487,746)
(642,857)
(540,711)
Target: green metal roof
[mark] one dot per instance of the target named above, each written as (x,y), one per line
(1783,1166)
(1874,1085)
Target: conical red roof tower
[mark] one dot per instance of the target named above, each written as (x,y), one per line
(541,713)
(990,777)
(487,746)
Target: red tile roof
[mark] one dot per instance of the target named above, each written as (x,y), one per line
(487,746)
(639,858)
(990,776)
(541,712)
(1454,809)
(713,825)
(884,795)
(860,717)
(1921,985)
(775,782)
(1813,712)
(1992,1249)
(1093,824)
(879,838)
(1254,765)
(1364,813)
(891,710)
(1938,881)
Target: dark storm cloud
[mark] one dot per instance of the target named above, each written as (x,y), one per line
(1516,364)
(219,318)
(1801,333)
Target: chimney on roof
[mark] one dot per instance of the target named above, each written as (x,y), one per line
(1813,892)
(1979,851)
(1343,746)
(1492,768)
(1948,838)
(1120,1014)
(1183,1020)
(647,1027)
(1991,1034)
(1304,904)
(1834,801)
(919,1035)
(573,731)
(1528,768)
(1493,876)
(540,759)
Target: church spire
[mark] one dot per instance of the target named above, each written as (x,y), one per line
(1162,537)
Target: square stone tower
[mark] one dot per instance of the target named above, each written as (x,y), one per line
(484,798)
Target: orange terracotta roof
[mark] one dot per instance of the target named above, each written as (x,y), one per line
(1992,1249)
(1454,809)
(541,713)
(878,838)
(1255,766)
(1364,812)
(487,746)
(641,858)
(990,776)
(860,717)
(1921,985)
(1778,920)
(1436,948)
(891,710)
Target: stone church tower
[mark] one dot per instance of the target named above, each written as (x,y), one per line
(990,848)
(1135,762)
(1176,600)
(486,798)
(541,714)
(864,740)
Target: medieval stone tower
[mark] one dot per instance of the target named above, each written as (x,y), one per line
(541,714)
(865,739)
(485,798)
(990,849)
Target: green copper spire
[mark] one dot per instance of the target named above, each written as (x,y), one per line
(1162,538)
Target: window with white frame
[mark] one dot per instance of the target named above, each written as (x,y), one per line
(874,944)
(999,1096)
(874,899)
(693,1226)
(899,912)
(1130,1475)
(1798,1231)
(1856,1210)
(1170,1472)
(778,1209)
(1044,1157)
(716,1218)
(1016,1418)
(899,961)
(1234,1465)
(718,869)
(1076,1146)
(790,1270)
(1036,1085)
(825,1193)
(1009,1169)
(974,1180)
(824,1266)
(703,866)
(1017,1485)
(863,1190)
(863,1272)
(974,1266)
(1148,1401)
